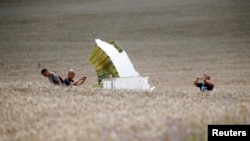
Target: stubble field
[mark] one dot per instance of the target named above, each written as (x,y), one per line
(172,42)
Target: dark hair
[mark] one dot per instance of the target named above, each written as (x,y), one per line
(43,71)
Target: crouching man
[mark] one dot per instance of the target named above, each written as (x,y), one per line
(206,85)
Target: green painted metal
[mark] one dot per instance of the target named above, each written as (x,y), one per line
(102,63)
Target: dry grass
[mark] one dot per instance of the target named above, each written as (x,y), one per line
(170,41)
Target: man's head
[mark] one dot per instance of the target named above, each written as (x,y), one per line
(71,74)
(45,73)
(207,77)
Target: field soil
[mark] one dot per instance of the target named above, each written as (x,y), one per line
(170,41)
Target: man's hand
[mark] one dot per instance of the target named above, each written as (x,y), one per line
(83,77)
(200,78)
(196,81)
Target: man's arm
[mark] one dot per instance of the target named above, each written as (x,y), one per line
(83,78)
(196,81)
(79,82)
(208,82)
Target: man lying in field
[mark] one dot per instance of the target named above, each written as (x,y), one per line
(206,85)
(52,76)
(69,81)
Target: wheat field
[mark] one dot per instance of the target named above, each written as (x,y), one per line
(172,42)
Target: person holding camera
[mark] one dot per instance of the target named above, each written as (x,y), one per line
(204,83)
(69,81)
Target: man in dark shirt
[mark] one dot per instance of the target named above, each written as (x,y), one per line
(206,85)
(69,81)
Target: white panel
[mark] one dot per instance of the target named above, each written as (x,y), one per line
(131,83)
(121,61)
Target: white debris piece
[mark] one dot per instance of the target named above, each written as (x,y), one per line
(130,83)
(120,60)
(128,77)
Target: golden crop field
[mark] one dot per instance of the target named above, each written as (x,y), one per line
(172,42)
